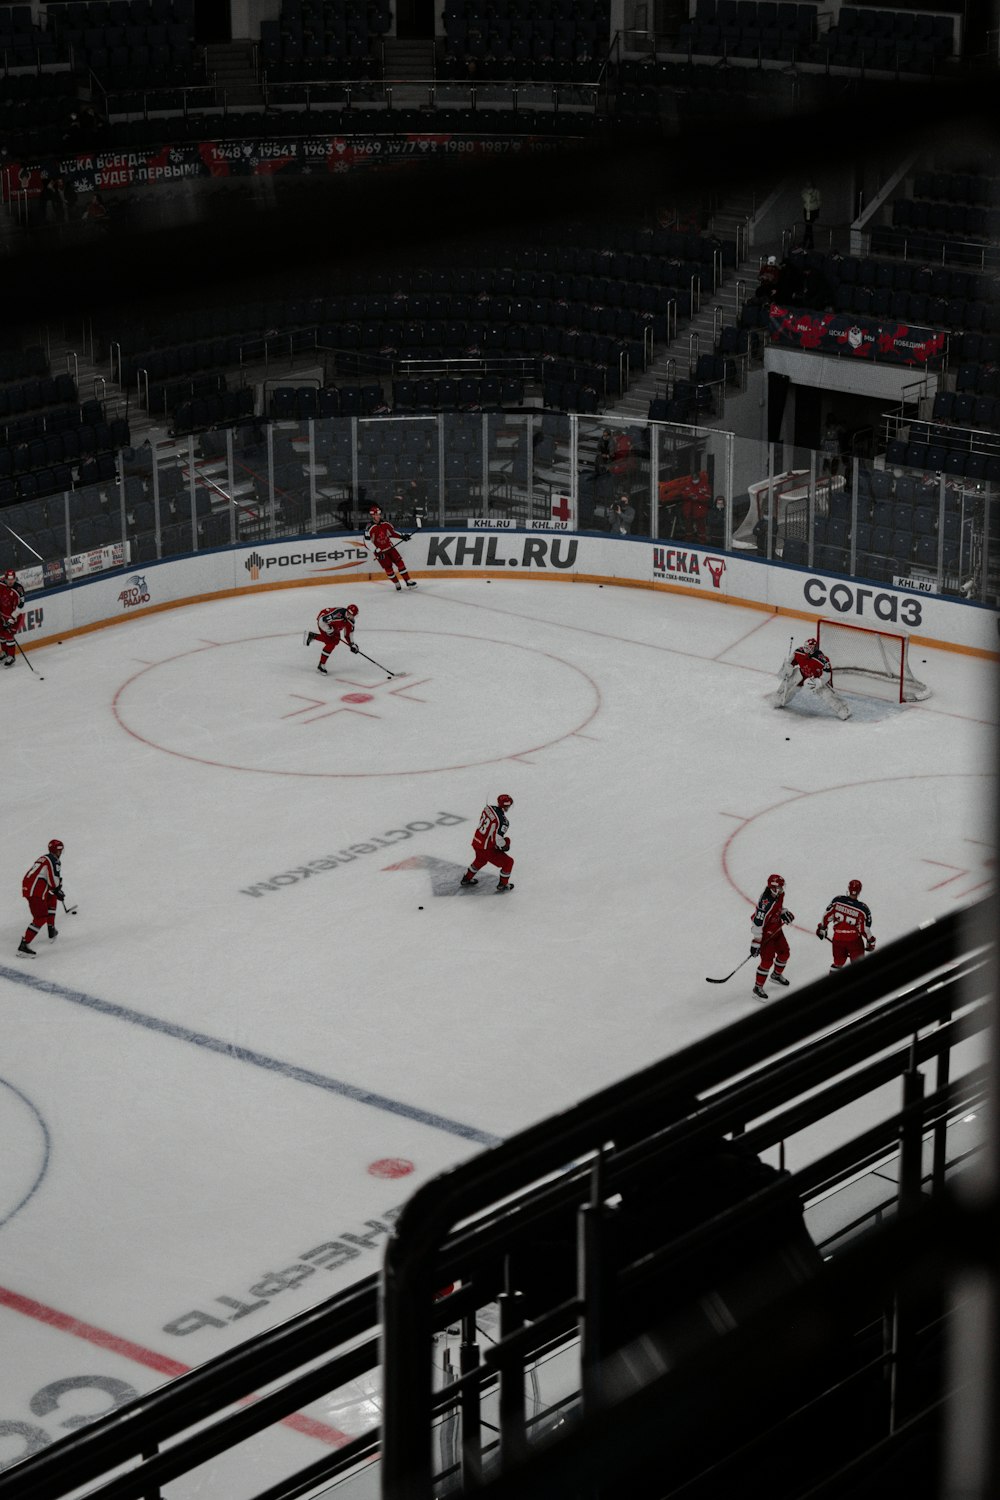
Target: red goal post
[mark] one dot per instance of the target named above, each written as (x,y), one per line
(869,661)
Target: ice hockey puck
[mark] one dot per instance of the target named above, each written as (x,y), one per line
(419,908)
(787,738)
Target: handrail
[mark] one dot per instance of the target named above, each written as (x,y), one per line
(492,1177)
(831,1024)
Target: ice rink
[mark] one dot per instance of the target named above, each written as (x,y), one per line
(275,1013)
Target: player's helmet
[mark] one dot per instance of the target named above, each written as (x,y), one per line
(776,883)
(56,847)
(352,609)
(10,576)
(504,801)
(811,643)
(376,510)
(854,887)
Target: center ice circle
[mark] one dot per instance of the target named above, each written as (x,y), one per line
(453,702)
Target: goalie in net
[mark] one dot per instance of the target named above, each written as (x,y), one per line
(807,667)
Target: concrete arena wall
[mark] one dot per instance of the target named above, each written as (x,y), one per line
(108,598)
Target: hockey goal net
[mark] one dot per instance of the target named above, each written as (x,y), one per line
(870,661)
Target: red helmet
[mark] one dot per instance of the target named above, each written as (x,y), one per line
(376,510)
(10,576)
(854,887)
(776,882)
(56,847)
(811,644)
(504,801)
(351,609)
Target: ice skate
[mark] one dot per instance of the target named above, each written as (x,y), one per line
(780,979)
(760,992)
(321,668)
(308,638)
(504,885)
(468,880)
(53,931)
(8,661)
(23,948)
(411,583)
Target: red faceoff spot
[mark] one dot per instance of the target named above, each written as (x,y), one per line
(391,1166)
(356,698)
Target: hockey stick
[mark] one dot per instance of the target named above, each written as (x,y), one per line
(17,643)
(70,911)
(736,970)
(379,665)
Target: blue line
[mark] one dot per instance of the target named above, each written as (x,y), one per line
(46,1152)
(255,1059)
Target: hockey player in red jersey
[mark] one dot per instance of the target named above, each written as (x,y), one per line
(852,935)
(332,626)
(491,843)
(808,667)
(11,604)
(768,944)
(380,537)
(42,888)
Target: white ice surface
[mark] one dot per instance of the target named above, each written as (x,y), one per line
(203,1092)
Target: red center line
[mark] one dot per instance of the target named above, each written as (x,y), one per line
(164,1365)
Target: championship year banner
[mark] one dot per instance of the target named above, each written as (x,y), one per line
(107,170)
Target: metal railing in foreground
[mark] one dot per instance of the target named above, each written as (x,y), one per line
(506,1227)
(560,1243)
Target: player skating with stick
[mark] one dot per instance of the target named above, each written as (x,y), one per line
(380,537)
(42,888)
(492,844)
(852,936)
(768,943)
(333,625)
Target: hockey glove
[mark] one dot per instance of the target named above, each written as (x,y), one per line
(406,536)
(754,950)
(870,944)
(355,649)
(821,932)
(60,896)
(787,916)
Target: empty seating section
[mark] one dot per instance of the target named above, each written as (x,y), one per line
(750,28)
(956,205)
(129,43)
(48,439)
(777,30)
(571,313)
(905,525)
(907,40)
(324,39)
(23,43)
(35,109)
(561,40)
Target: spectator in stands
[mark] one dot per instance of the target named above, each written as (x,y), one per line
(715,522)
(72,138)
(811,203)
(620,515)
(93,126)
(832,445)
(768,278)
(413,499)
(620,462)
